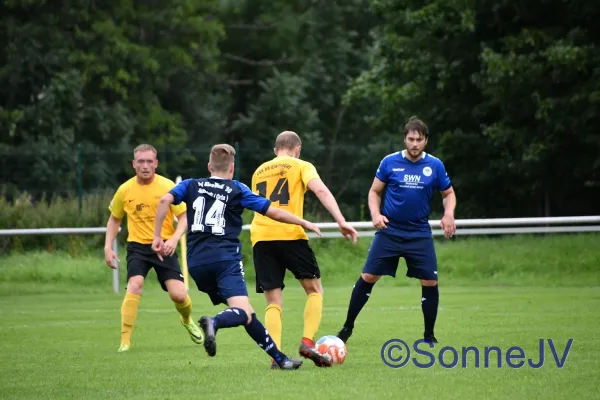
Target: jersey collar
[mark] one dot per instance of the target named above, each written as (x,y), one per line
(422,155)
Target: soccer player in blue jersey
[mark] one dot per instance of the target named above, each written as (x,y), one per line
(214,214)
(399,203)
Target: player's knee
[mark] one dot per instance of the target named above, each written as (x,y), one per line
(312,286)
(176,289)
(249,314)
(274,296)
(370,278)
(135,284)
(425,282)
(248,310)
(242,303)
(178,296)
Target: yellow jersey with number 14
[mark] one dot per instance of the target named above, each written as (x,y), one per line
(284,181)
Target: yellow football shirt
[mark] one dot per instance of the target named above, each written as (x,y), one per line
(284,181)
(140,202)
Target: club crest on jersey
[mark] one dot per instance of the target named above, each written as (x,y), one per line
(427,171)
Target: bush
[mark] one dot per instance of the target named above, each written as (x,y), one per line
(55,212)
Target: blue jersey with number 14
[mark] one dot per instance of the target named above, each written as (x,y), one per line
(214,214)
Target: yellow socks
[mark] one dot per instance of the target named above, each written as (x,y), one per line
(313,311)
(128,314)
(185,309)
(273,323)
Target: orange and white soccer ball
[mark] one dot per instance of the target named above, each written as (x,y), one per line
(333,346)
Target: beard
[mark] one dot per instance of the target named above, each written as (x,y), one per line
(415,153)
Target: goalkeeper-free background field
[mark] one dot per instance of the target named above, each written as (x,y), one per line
(60,329)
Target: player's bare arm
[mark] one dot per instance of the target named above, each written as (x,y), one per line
(447,223)
(375,193)
(112,228)
(161,213)
(170,245)
(328,200)
(283,216)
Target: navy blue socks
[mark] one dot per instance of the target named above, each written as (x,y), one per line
(429,304)
(257,331)
(230,318)
(360,296)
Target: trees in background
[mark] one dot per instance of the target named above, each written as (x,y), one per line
(510,92)
(94,78)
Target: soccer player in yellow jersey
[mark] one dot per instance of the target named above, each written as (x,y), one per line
(138,199)
(276,247)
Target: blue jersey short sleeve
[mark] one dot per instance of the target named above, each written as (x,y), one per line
(179,191)
(383,171)
(252,201)
(443,181)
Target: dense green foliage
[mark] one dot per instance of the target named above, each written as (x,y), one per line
(511,93)
(56,212)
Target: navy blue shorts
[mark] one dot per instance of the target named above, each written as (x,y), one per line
(386,250)
(220,280)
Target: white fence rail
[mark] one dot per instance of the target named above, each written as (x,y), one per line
(485,226)
(70,231)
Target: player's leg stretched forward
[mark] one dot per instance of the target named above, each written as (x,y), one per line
(360,295)
(313,313)
(422,264)
(240,312)
(183,304)
(171,280)
(382,259)
(362,292)
(270,262)
(312,318)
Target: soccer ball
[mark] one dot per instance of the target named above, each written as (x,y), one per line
(333,346)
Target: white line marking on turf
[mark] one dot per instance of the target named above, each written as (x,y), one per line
(380,308)
(387,308)
(170,310)
(49,324)
(148,310)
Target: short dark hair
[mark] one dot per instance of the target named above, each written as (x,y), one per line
(416,125)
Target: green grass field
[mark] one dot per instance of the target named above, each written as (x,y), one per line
(59,330)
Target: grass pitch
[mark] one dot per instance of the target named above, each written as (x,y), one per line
(64,346)
(59,330)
